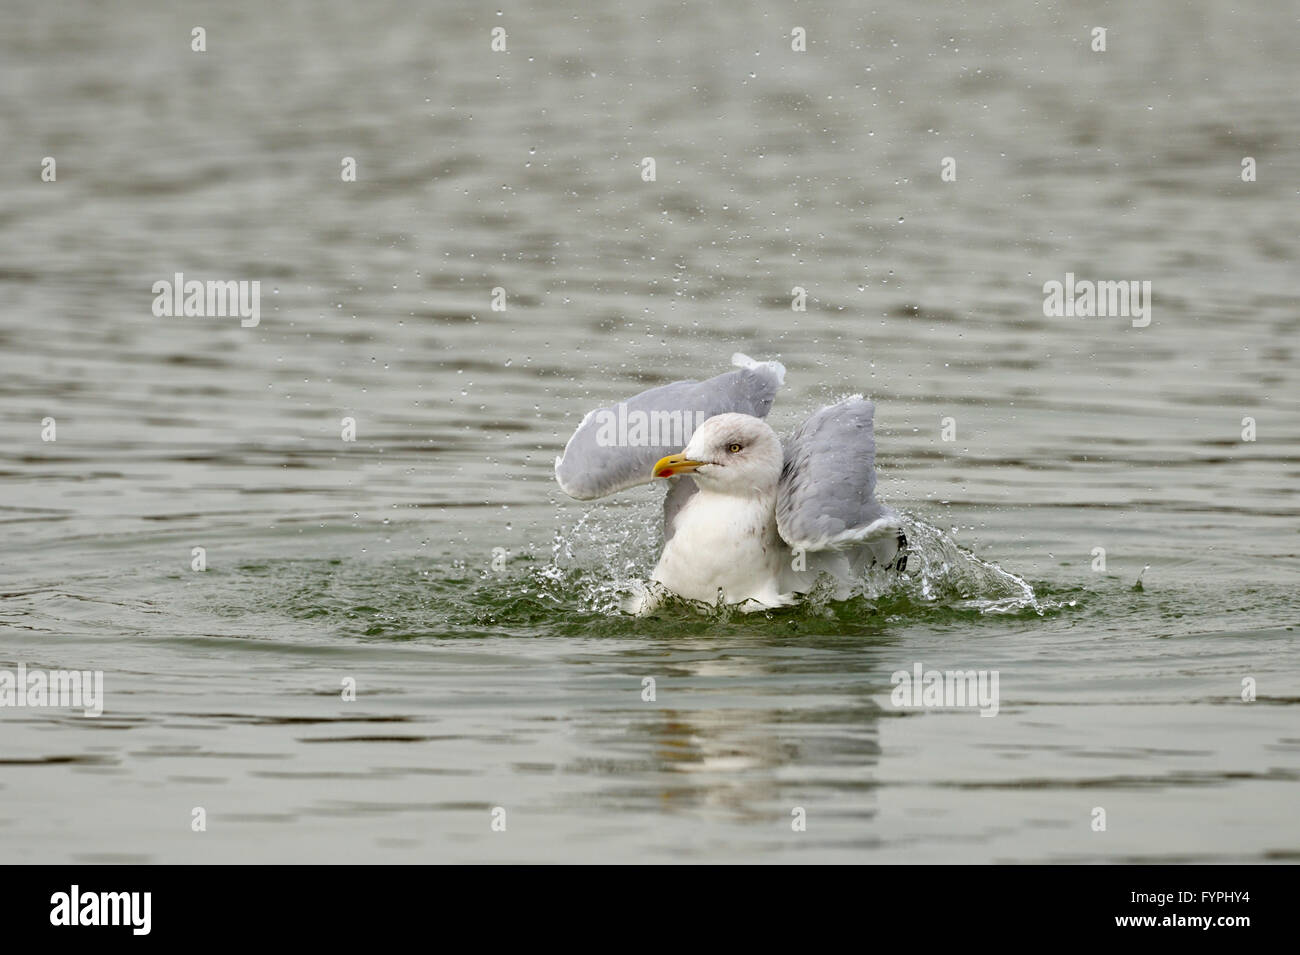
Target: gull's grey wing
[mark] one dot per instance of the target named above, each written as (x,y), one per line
(827,495)
(615,447)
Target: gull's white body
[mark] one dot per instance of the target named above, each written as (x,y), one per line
(723,545)
(726,546)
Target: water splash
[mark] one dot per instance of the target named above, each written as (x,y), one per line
(603,563)
(947,572)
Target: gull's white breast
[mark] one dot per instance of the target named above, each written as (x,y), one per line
(727,542)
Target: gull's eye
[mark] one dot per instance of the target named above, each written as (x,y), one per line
(733,448)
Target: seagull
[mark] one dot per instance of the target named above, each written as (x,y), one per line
(749,520)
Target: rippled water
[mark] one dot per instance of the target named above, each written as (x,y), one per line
(521,687)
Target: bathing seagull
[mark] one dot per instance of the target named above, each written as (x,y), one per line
(749,519)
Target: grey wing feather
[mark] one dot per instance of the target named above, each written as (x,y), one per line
(598,460)
(827,495)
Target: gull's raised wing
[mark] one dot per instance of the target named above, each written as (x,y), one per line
(615,447)
(827,496)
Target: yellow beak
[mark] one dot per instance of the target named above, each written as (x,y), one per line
(676,464)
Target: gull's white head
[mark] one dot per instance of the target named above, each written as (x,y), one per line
(729,454)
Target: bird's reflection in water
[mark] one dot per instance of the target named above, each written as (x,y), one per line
(766,730)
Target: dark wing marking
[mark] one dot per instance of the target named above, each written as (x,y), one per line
(681,489)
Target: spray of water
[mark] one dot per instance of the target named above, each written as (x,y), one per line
(602,560)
